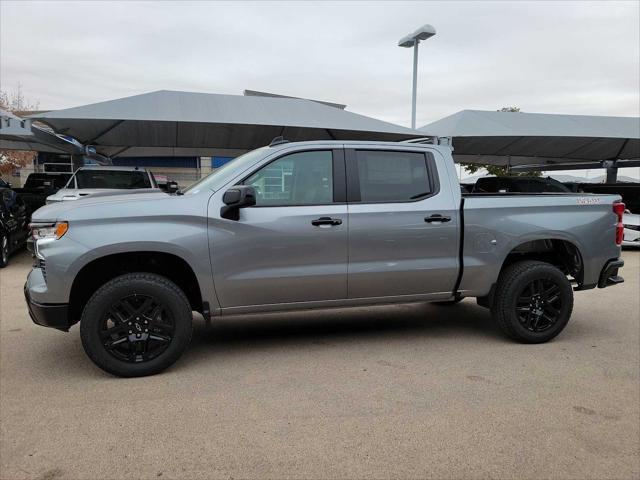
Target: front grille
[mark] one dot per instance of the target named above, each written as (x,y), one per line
(633,227)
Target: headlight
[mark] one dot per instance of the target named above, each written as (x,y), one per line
(41,231)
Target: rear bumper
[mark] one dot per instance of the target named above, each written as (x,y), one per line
(609,275)
(54,315)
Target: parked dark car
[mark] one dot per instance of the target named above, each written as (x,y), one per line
(519,184)
(13,224)
(38,187)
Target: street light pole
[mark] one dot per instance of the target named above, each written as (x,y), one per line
(413,40)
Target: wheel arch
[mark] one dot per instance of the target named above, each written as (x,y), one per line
(559,252)
(102,269)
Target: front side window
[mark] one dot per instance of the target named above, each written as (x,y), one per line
(387,176)
(303,178)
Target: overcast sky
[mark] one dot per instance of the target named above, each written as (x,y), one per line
(554,57)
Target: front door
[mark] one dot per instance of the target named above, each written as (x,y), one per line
(403,227)
(291,247)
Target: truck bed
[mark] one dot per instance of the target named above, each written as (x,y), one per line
(496,224)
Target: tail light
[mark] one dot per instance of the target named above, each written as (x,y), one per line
(618,209)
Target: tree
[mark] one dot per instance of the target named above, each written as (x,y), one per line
(14,102)
(497,170)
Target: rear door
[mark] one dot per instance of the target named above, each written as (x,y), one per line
(291,247)
(403,225)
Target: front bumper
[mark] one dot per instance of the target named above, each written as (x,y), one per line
(609,275)
(53,315)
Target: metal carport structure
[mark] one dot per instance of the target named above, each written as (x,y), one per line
(172,123)
(20,134)
(537,141)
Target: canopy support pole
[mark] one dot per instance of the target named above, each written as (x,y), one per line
(612,170)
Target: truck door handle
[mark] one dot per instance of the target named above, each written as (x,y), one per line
(436,217)
(326,221)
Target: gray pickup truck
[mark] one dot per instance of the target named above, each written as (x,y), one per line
(313,225)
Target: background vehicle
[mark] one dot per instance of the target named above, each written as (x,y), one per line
(519,184)
(38,187)
(629,191)
(13,224)
(312,225)
(631,222)
(100,180)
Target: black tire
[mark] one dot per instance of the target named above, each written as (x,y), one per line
(533,301)
(117,306)
(4,250)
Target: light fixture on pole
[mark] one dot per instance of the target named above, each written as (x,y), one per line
(412,40)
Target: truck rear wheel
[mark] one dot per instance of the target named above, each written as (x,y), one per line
(532,302)
(135,325)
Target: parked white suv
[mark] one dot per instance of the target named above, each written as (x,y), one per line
(99,180)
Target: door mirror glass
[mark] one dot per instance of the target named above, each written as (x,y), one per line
(235,198)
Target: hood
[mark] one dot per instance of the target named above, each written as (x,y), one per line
(85,192)
(98,205)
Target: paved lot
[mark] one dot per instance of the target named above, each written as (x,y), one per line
(406,392)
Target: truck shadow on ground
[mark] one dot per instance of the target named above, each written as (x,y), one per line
(239,335)
(233,334)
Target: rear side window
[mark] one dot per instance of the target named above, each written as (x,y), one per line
(387,176)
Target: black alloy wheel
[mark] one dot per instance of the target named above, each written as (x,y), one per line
(137,328)
(532,302)
(136,324)
(539,305)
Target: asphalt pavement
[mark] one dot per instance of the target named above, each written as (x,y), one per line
(410,391)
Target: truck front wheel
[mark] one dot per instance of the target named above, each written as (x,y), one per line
(135,325)
(532,302)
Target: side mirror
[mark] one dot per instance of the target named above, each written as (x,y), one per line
(235,198)
(172,187)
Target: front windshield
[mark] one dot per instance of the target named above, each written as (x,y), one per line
(116,179)
(220,176)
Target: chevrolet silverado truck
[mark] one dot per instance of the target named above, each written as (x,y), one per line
(313,225)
